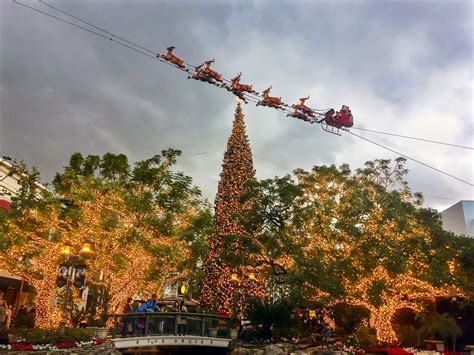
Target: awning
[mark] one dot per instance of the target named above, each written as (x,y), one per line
(6,283)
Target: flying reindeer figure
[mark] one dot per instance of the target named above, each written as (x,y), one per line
(211,73)
(302,112)
(170,57)
(200,75)
(239,89)
(270,101)
(237,86)
(302,107)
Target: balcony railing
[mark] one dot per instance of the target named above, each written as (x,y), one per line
(168,323)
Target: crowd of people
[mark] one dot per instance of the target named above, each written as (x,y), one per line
(13,317)
(135,324)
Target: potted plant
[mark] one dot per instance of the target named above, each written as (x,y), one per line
(213,332)
(213,328)
(234,327)
(99,325)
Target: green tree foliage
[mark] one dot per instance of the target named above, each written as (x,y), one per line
(360,237)
(267,314)
(145,222)
(444,326)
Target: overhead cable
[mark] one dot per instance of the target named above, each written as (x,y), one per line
(252,97)
(413,159)
(414,138)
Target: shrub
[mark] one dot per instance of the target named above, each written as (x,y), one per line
(45,336)
(408,336)
(267,315)
(364,337)
(349,317)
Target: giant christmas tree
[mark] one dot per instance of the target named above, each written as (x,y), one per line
(224,284)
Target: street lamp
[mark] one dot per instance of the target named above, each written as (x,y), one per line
(249,275)
(239,287)
(71,270)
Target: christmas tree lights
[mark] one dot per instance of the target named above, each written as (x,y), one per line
(218,289)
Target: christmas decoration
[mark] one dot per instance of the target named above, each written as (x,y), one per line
(221,286)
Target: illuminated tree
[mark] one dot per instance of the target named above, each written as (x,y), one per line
(360,238)
(226,253)
(28,244)
(135,219)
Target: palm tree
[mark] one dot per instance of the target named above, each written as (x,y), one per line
(443,325)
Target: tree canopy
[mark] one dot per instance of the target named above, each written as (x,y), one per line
(358,237)
(138,219)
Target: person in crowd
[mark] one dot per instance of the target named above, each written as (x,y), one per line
(31,317)
(149,306)
(22,320)
(3,309)
(3,318)
(240,318)
(127,320)
(14,316)
(9,317)
(326,335)
(182,319)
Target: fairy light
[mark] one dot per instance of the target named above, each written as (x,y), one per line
(103,218)
(127,264)
(35,259)
(333,245)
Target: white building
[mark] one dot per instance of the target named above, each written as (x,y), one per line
(459,218)
(16,291)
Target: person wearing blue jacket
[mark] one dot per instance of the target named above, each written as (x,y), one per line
(149,306)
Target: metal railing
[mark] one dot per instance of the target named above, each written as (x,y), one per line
(170,323)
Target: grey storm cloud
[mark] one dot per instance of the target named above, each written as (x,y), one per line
(403,67)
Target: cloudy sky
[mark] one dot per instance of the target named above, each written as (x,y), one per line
(403,67)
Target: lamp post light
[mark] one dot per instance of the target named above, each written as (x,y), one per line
(71,270)
(240,284)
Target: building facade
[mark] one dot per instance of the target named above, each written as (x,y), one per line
(459,218)
(17,292)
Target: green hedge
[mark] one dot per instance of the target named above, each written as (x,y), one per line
(45,336)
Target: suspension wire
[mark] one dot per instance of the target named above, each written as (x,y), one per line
(92,32)
(255,156)
(112,38)
(274,162)
(202,153)
(105,31)
(410,158)
(139,48)
(145,51)
(97,27)
(414,138)
(249,96)
(293,168)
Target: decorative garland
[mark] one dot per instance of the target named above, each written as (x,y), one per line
(52,346)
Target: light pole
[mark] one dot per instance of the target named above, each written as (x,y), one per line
(71,270)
